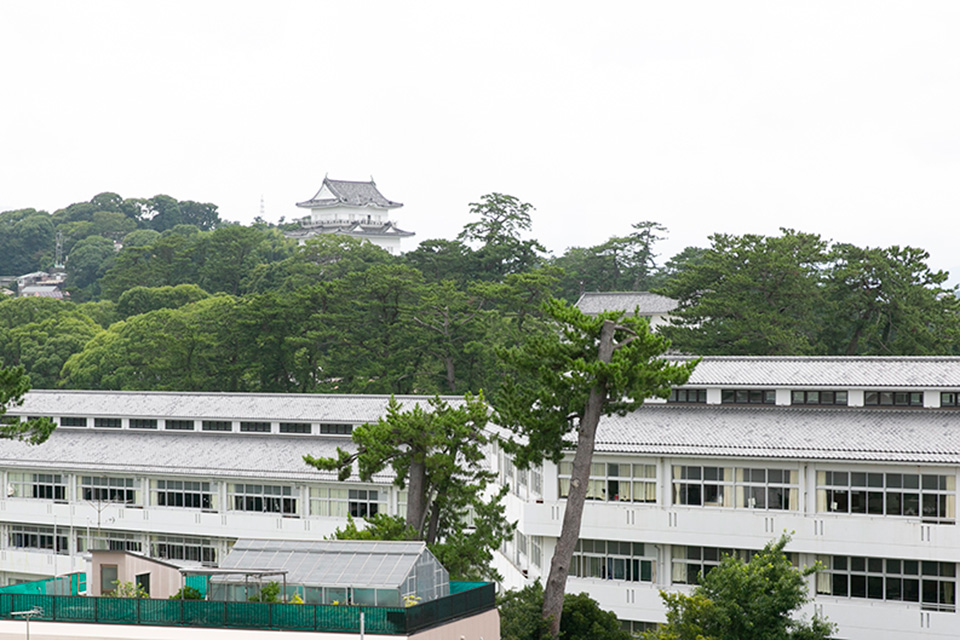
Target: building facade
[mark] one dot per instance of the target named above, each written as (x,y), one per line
(856,458)
(355,209)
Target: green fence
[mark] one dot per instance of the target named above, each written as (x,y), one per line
(251,615)
(67,585)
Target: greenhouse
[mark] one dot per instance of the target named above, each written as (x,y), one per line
(371,573)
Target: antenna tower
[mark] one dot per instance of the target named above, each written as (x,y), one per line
(58,260)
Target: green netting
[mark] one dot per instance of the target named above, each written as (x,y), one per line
(67,585)
(165,612)
(457,586)
(199,583)
(251,615)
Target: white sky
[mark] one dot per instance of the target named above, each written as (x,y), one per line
(839,118)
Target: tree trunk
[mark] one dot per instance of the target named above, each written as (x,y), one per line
(434,524)
(417,496)
(579,479)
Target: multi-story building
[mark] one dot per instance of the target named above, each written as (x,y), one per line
(856,458)
(179,475)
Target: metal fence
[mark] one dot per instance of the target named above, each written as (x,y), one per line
(252,615)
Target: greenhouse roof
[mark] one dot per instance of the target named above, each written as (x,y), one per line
(330,563)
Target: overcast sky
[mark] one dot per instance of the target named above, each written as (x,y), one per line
(838,118)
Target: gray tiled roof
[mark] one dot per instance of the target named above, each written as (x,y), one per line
(329,563)
(355,409)
(910,436)
(351,194)
(829,371)
(165,453)
(354,229)
(648,304)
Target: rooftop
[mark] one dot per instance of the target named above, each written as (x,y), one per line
(895,372)
(355,409)
(223,455)
(330,563)
(910,436)
(348,193)
(644,302)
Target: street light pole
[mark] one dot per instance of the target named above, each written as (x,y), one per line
(36,611)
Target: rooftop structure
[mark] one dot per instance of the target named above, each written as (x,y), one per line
(645,304)
(345,571)
(355,209)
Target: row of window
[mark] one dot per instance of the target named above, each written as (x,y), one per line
(339,429)
(334,501)
(871,398)
(931,583)
(931,497)
(202,550)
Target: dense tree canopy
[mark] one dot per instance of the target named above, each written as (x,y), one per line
(582,617)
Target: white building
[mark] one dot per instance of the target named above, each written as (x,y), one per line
(857,457)
(653,306)
(355,209)
(179,476)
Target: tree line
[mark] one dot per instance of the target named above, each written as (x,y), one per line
(192,303)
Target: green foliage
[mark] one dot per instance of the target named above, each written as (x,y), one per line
(751,295)
(553,374)
(187,593)
(126,590)
(793,295)
(269,592)
(503,221)
(624,263)
(26,241)
(378,527)
(739,600)
(88,261)
(582,618)
(144,299)
(13,385)
(437,456)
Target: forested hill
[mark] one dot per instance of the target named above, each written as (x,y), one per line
(193,303)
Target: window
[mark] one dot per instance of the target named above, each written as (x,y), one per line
(536,480)
(177,548)
(255,427)
(931,497)
(705,486)
(105,540)
(743,487)
(536,551)
(107,423)
(698,396)
(819,397)
(108,578)
(178,425)
(336,429)
(615,481)
(294,427)
(25,537)
(933,584)
(613,560)
(217,425)
(689,563)
(140,423)
(893,398)
(263,498)
(123,490)
(748,396)
(947,399)
(337,502)
(67,421)
(186,494)
(42,486)
(363,503)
